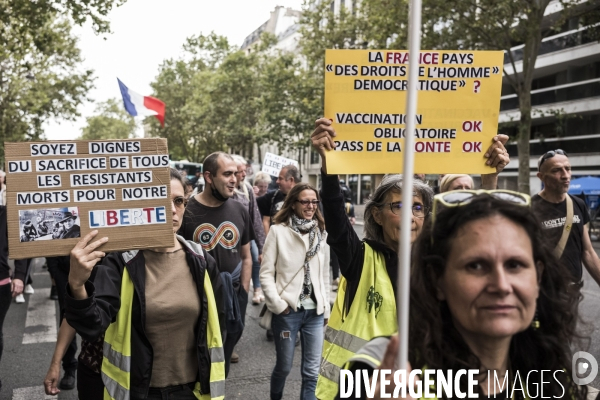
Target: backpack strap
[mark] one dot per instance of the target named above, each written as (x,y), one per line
(560,247)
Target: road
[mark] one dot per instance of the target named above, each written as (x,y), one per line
(24,366)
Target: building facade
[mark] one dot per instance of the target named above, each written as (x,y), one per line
(565,100)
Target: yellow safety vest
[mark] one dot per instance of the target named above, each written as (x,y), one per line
(372,314)
(116,362)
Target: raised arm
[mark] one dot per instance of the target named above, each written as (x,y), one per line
(497,157)
(342,238)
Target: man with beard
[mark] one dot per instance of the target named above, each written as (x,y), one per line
(224,229)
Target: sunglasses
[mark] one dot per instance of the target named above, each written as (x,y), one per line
(459,198)
(550,154)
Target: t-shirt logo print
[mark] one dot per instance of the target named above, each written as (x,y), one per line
(227,235)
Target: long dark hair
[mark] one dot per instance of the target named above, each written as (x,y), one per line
(436,343)
(287,210)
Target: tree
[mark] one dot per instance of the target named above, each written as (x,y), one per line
(110,122)
(36,85)
(220,98)
(24,18)
(500,25)
(450,25)
(40,76)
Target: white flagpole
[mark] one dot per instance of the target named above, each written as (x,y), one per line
(403,287)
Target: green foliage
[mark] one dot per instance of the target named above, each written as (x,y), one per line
(110,122)
(220,98)
(449,25)
(24,18)
(36,85)
(40,74)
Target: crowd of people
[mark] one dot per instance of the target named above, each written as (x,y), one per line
(495,283)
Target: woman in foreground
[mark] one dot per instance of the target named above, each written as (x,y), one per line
(165,339)
(503,307)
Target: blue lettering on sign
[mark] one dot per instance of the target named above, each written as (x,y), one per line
(93,224)
(160,215)
(125,217)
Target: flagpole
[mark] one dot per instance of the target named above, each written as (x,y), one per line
(403,287)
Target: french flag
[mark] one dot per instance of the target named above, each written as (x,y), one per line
(143,106)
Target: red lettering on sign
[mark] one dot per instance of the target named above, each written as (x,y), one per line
(148,213)
(111,217)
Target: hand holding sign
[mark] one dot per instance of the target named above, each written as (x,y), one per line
(322,138)
(496,154)
(84,257)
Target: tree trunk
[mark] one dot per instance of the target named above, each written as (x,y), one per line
(523,140)
(530,53)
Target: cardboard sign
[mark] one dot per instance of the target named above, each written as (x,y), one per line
(57,192)
(273,163)
(457,112)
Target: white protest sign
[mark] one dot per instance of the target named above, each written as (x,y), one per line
(273,163)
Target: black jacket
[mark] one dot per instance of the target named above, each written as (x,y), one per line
(20,265)
(92,316)
(344,241)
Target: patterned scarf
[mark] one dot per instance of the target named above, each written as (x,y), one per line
(311,227)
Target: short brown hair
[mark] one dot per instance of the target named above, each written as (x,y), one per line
(211,162)
(286,212)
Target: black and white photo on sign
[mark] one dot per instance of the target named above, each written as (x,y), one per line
(49,224)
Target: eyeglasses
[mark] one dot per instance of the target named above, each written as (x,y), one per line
(307,202)
(180,202)
(550,154)
(418,210)
(459,198)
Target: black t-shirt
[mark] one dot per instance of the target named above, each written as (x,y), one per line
(221,231)
(270,203)
(552,217)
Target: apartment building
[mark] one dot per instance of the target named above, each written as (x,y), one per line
(565,100)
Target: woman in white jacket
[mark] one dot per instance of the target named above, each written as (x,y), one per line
(294,275)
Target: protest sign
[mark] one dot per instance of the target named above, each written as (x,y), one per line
(273,163)
(57,192)
(457,111)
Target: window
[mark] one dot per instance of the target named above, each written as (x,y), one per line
(314,157)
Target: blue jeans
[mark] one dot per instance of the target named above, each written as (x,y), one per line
(255,265)
(285,328)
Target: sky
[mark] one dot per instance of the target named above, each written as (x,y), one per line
(146,32)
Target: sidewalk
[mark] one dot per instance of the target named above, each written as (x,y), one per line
(359,212)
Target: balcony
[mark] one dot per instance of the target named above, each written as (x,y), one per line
(588,144)
(555,94)
(561,41)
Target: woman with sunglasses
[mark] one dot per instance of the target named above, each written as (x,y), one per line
(159,310)
(294,276)
(498,306)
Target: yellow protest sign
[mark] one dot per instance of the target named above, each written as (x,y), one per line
(457,112)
